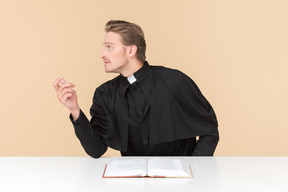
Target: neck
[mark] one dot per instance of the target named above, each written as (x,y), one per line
(133,67)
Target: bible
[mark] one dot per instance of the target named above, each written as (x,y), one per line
(156,167)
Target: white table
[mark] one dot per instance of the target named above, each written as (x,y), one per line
(85,174)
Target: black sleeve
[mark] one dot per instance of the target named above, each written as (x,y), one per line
(206,145)
(89,138)
(94,134)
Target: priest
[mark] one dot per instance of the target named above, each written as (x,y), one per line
(146,110)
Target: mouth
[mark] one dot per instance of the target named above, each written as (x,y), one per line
(106,62)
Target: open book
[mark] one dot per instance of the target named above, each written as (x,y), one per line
(158,167)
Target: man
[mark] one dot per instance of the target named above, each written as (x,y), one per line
(146,110)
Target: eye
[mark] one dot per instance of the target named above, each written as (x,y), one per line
(109,47)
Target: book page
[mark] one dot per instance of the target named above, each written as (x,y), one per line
(130,167)
(168,168)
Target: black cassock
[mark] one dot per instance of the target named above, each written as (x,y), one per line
(160,113)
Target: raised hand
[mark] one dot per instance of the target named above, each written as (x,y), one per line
(67,96)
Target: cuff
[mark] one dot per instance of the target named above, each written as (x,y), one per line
(79,120)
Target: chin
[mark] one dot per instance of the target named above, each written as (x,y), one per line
(109,71)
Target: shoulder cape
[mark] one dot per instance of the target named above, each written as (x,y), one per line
(178,110)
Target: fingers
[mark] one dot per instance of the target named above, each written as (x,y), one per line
(56,83)
(65,85)
(65,97)
(60,84)
(65,93)
(63,88)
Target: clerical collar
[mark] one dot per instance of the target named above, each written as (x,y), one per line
(131,79)
(139,76)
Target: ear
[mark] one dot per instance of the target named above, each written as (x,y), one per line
(131,51)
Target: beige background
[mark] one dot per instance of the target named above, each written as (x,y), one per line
(236,51)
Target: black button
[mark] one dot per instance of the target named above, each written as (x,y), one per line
(129,88)
(145,141)
(140,113)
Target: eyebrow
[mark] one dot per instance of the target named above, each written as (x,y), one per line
(108,43)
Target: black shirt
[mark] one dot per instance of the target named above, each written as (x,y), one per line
(160,114)
(138,138)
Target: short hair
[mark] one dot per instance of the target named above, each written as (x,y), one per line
(131,34)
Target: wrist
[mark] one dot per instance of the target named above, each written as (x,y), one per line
(75,113)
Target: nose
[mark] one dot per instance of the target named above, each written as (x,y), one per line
(102,55)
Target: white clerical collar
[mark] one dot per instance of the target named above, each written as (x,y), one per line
(131,79)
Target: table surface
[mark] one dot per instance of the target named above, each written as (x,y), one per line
(85,174)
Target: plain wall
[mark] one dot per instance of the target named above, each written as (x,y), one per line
(236,52)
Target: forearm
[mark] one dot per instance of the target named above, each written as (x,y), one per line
(206,145)
(90,139)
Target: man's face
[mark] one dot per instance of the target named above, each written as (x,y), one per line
(114,54)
